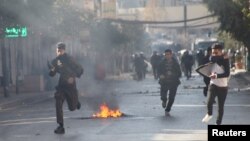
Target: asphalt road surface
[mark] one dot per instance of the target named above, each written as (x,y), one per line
(143,117)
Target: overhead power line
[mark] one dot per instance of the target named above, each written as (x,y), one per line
(190,26)
(200,25)
(156,22)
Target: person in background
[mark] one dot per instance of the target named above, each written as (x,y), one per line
(139,67)
(170,73)
(66,89)
(187,61)
(155,60)
(218,86)
(199,57)
(144,65)
(231,54)
(206,60)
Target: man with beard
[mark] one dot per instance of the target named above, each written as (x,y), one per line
(218,86)
(170,73)
(66,88)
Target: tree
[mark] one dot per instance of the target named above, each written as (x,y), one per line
(116,41)
(105,36)
(135,35)
(71,19)
(234,16)
(229,42)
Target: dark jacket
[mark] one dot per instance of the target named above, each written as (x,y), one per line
(224,63)
(173,77)
(155,60)
(66,67)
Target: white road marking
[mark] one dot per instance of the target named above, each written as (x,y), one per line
(204,105)
(180,137)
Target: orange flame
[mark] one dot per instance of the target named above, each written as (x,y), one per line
(105,112)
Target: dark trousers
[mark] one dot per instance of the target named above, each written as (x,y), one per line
(71,97)
(205,89)
(139,73)
(155,72)
(188,70)
(221,94)
(168,97)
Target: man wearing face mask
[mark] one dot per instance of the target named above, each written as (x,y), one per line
(218,86)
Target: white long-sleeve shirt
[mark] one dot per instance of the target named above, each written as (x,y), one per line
(220,82)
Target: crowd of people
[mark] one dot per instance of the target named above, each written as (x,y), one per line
(167,68)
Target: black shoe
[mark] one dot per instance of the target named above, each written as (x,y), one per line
(167,114)
(205,91)
(78,105)
(164,104)
(59,130)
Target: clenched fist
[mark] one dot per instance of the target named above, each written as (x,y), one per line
(71,80)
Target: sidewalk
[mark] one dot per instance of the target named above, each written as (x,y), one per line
(22,99)
(239,80)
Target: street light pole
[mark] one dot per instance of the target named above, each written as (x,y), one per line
(5,78)
(185,18)
(5,70)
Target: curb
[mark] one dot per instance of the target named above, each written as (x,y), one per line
(23,99)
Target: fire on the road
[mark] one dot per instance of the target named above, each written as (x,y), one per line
(106,112)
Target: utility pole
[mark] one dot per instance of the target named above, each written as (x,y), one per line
(164,3)
(101,8)
(248,51)
(185,18)
(4,55)
(5,69)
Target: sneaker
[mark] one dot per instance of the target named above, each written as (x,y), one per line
(207,118)
(59,130)
(78,105)
(164,104)
(167,114)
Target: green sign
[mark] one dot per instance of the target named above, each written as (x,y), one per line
(14,32)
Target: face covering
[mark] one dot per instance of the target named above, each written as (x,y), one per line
(215,59)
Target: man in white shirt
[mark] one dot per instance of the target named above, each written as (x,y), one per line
(218,86)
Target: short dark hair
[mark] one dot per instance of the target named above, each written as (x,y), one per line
(168,50)
(209,49)
(61,45)
(217,46)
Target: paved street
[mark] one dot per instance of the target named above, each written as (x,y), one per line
(143,119)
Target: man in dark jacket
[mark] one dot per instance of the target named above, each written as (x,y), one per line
(170,73)
(66,88)
(155,60)
(187,61)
